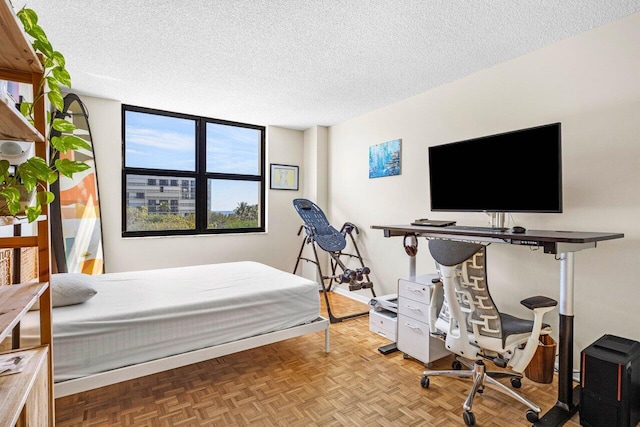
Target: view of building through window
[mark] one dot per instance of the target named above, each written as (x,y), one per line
(166,190)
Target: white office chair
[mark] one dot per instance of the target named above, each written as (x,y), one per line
(474,329)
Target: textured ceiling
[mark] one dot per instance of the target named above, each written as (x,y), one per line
(297,63)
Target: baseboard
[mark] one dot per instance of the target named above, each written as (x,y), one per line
(353,295)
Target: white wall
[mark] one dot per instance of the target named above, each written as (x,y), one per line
(275,247)
(590,83)
(315,165)
(314,173)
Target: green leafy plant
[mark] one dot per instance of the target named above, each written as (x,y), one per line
(36,171)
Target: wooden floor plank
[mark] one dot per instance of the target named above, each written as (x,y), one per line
(294,383)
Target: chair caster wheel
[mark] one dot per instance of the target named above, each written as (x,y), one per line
(405,356)
(424,382)
(516,382)
(532,416)
(469,418)
(456,365)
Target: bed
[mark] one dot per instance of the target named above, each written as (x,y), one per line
(144,322)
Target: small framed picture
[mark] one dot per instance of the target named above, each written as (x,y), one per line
(384,159)
(284,177)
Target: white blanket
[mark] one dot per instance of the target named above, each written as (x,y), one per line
(146,315)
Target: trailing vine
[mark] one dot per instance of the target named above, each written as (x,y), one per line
(36,171)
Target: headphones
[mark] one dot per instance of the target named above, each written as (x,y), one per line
(410,244)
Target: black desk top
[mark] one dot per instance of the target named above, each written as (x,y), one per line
(541,236)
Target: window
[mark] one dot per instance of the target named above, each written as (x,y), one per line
(186,174)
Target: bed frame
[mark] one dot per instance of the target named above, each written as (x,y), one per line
(126,373)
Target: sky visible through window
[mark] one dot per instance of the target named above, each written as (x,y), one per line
(232,149)
(162,142)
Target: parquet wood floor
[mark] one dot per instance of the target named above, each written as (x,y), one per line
(294,383)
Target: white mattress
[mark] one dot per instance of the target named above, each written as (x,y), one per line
(146,315)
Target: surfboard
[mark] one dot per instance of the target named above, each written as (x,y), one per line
(76,228)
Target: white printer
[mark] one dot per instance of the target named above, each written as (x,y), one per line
(383,316)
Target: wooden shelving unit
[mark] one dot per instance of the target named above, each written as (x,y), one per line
(26,398)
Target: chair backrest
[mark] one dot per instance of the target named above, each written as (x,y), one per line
(318,227)
(463,267)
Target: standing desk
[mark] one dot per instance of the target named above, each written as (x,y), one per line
(564,243)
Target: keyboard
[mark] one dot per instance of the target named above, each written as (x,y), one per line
(475,228)
(434,223)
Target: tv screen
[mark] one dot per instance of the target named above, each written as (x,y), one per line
(517,171)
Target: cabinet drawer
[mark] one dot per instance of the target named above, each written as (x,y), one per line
(418,288)
(414,340)
(383,323)
(414,310)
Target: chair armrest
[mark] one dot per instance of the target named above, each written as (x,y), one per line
(538,301)
(539,305)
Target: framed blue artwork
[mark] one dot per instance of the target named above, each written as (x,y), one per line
(384,159)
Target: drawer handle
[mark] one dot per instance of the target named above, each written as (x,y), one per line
(409,325)
(412,308)
(415,291)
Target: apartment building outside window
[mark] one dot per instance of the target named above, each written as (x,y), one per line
(187,174)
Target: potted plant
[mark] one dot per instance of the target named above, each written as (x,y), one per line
(33,173)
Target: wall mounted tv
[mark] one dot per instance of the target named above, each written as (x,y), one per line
(517,171)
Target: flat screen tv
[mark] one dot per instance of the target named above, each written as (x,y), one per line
(517,171)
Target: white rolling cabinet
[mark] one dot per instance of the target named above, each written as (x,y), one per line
(419,302)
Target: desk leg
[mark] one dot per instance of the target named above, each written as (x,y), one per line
(412,266)
(565,358)
(568,397)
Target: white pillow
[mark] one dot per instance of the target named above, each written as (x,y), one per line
(70,289)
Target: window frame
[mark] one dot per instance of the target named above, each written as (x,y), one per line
(200,175)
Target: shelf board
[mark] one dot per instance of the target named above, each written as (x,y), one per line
(13,125)
(18,242)
(15,388)
(15,301)
(16,53)
(15,220)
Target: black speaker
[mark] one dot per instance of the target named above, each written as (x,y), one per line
(610,383)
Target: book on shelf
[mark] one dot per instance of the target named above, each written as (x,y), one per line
(13,363)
